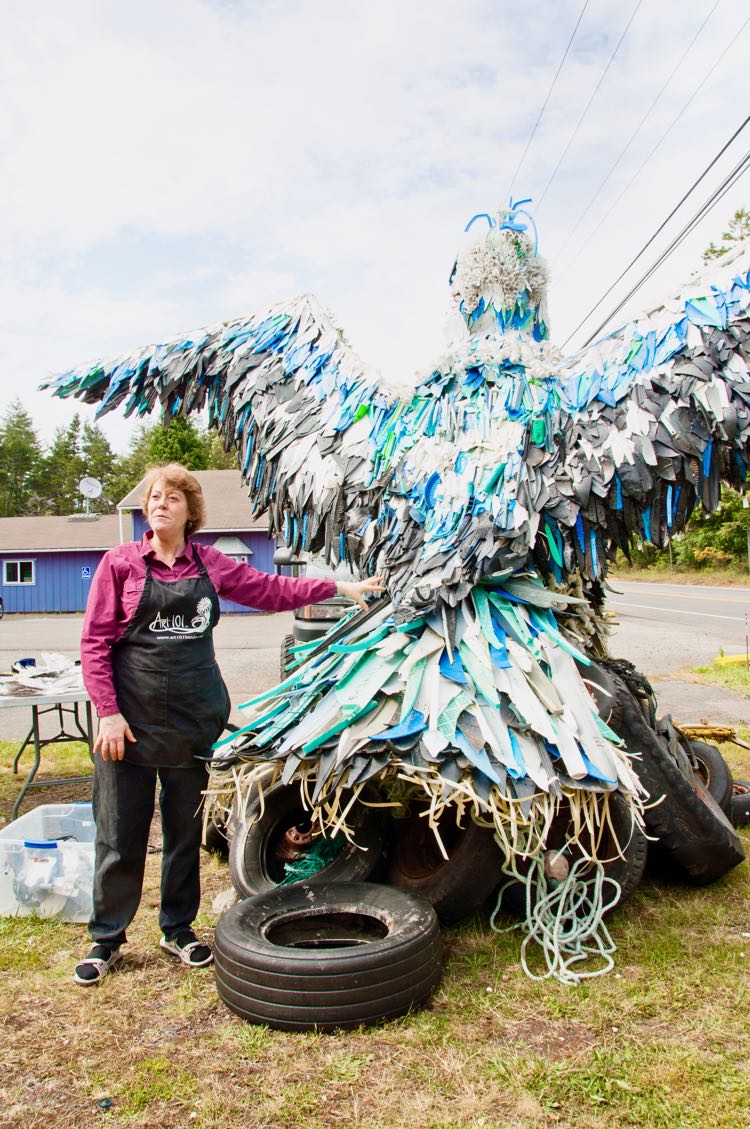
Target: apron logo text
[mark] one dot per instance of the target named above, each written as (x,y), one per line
(175,624)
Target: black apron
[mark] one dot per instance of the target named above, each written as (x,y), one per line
(169,687)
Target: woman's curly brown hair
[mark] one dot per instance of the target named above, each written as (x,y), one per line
(179,478)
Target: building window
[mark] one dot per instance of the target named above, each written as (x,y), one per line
(240,557)
(19,572)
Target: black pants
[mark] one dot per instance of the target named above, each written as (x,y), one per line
(123,809)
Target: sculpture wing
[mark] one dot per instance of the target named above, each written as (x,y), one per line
(654,418)
(289,393)
(427,485)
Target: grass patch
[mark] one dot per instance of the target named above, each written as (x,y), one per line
(28,944)
(64,759)
(733,677)
(156,1081)
(656,1044)
(638,1086)
(709,578)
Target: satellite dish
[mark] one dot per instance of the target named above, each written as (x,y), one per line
(90,487)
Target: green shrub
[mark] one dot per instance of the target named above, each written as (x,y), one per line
(711,541)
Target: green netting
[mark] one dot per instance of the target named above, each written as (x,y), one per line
(320,855)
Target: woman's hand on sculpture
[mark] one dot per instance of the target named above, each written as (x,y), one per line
(110,740)
(357,589)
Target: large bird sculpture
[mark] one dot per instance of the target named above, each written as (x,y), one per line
(492,497)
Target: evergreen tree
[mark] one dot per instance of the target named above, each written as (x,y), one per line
(99,461)
(62,470)
(217,457)
(21,458)
(179,442)
(737,229)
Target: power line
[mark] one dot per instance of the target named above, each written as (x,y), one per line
(546,100)
(660,228)
(628,186)
(574,134)
(635,133)
(737,172)
(729,182)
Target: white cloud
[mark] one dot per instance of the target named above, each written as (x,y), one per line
(175,162)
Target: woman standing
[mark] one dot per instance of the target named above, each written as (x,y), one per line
(149,666)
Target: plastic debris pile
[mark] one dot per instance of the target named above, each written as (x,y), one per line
(485,702)
(53,673)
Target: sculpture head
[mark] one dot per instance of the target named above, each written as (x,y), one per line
(499,282)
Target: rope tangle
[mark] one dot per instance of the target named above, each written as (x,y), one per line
(565,919)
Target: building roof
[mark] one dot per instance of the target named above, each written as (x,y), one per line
(232,546)
(58,534)
(227,503)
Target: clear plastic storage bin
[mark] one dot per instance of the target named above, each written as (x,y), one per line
(47,862)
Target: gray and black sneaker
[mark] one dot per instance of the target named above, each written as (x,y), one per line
(96,965)
(186,946)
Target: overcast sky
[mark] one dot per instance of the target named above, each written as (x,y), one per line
(170,163)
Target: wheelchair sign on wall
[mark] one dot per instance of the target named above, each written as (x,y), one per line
(85,572)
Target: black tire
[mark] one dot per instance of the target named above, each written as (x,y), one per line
(322,957)
(740,803)
(455,886)
(254,865)
(286,656)
(683,815)
(620,833)
(713,772)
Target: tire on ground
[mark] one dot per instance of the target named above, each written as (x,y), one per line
(740,803)
(215,837)
(255,863)
(682,814)
(713,772)
(327,956)
(455,886)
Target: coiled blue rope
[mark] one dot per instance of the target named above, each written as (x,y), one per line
(565,919)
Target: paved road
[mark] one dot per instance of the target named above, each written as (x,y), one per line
(663,628)
(667,628)
(686,624)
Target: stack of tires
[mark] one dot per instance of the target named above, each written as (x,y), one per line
(357,939)
(689,785)
(333,951)
(321,956)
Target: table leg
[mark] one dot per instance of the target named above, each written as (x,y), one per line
(37,758)
(85,733)
(21,750)
(90,729)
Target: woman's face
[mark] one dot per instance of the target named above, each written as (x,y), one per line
(167,509)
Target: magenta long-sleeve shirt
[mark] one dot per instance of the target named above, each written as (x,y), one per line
(118,583)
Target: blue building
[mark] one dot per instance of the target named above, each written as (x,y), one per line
(46,563)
